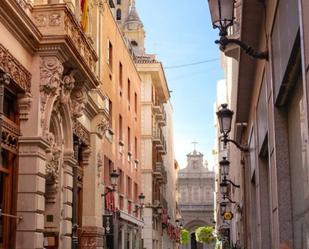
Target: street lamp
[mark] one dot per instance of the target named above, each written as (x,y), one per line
(223,188)
(225,166)
(223,206)
(141,198)
(222,17)
(225,117)
(114,178)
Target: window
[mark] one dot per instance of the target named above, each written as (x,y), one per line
(134,43)
(129,139)
(120,77)
(110,55)
(135,102)
(108,167)
(118,1)
(129,90)
(120,181)
(118,14)
(135,147)
(10,106)
(135,192)
(120,128)
(129,187)
(110,107)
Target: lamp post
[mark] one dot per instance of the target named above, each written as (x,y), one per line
(225,117)
(141,198)
(225,166)
(223,188)
(114,178)
(222,17)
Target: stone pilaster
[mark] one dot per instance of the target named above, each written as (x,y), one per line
(30,194)
(91,237)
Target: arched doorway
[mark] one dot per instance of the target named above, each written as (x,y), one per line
(194,243)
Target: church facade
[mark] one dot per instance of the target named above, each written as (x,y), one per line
(196,202)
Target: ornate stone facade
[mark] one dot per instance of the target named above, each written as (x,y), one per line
(196,185)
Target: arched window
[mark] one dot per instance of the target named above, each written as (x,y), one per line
(134,43)
(118,1)
(118,14)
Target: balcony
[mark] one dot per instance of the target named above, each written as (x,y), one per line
(160,172)
(161,117)
(157,108)
(61,31)
(159,140)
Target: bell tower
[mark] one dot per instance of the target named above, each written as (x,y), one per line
(133,30)
(122,9)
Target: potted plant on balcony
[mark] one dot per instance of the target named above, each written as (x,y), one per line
(205,235)
(184,236)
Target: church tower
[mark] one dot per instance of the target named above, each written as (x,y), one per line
(131,25)
(122,11)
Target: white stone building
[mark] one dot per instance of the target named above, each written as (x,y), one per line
(196,187)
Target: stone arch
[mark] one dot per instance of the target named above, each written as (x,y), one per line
(60,137)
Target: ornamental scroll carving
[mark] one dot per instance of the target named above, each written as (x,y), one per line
(80,131)
(102,127)
(53,158)
(51,70)
(64,88)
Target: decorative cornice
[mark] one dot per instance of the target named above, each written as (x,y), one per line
(15,15)
(10,65)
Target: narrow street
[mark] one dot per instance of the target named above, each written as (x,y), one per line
(176,124)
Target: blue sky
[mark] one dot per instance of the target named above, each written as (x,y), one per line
(180,32)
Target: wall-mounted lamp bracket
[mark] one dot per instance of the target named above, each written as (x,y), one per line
(233,184)
(224,41)
(226,140)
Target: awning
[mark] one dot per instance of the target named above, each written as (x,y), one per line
(130,218)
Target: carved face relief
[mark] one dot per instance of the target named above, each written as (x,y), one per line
(78,101)
(67,86)
(102,127)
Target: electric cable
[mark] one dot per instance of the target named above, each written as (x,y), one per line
(191,64)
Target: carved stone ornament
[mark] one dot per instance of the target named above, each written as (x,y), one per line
(53,156)
(67,86)
(100,4)
(100,162)
(24,104)
(102,127)
(55,19)
(5,79)
(86,152)
(81,132)
(79,99)
(19,74)
(51,70)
